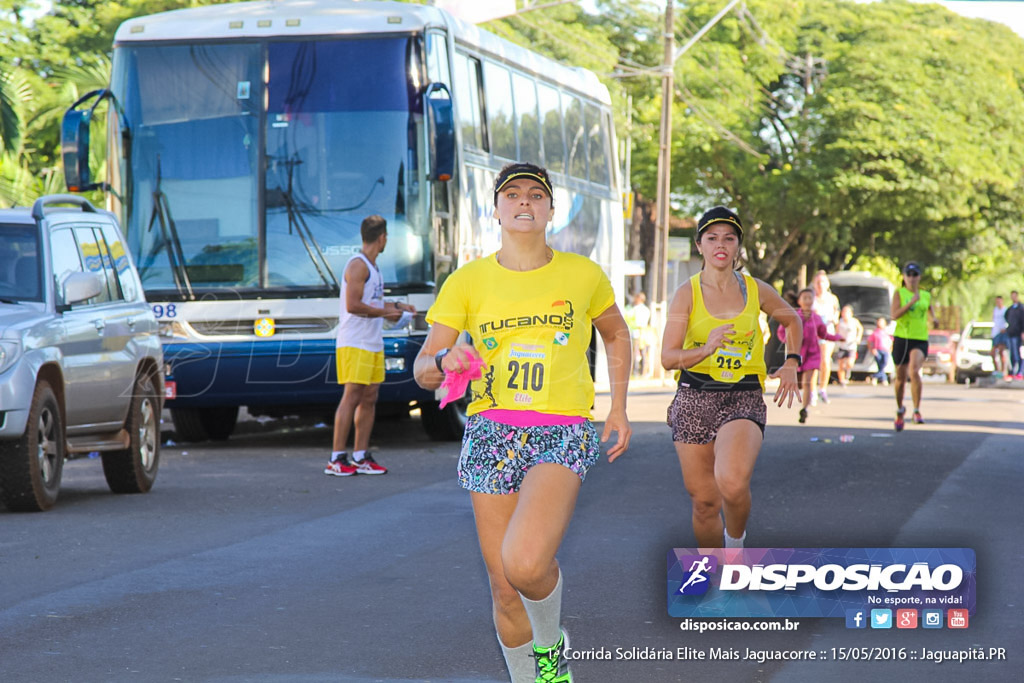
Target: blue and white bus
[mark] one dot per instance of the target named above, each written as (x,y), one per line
(246,142)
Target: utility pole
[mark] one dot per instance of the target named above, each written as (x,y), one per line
(660,265)
(659,276)
(659,283)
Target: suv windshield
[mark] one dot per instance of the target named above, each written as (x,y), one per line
(19,263)
(981,331)
(237,184)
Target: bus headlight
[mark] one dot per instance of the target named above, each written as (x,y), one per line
(394,364)
(173,330)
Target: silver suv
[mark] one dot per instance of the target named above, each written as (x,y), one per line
(80,358)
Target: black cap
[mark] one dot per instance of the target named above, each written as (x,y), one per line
(719,214)
(912,268)
(522,170)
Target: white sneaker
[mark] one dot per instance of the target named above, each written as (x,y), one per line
(824,396)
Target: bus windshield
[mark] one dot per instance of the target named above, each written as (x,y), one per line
(231,183)
(869,303)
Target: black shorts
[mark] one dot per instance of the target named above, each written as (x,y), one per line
(845,353)
(901,349)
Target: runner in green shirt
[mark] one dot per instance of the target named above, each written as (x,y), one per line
(912,310)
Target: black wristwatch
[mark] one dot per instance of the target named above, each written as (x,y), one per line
(795,356)
(438,357)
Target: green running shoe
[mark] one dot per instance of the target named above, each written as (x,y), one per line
(550,665)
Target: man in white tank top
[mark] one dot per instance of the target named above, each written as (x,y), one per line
(359,353)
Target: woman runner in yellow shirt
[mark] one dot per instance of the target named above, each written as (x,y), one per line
(529,439)
(713,338)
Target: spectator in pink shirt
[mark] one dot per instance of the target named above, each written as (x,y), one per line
(815,330)
(880,346)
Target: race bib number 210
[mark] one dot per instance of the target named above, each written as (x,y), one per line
(525,369)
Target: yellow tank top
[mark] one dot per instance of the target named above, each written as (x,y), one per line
(741,357)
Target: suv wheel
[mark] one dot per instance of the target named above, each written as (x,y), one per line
(30,467)
(133,470)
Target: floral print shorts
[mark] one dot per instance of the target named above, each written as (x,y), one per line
(495,456)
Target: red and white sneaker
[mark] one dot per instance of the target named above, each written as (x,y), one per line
(340,468)
(368,466)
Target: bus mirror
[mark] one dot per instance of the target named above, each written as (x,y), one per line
(441,127)
(74,142)
(74,149)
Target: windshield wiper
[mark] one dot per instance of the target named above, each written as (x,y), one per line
(168,237)
(297,223)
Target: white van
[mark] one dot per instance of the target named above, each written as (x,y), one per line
(871,298)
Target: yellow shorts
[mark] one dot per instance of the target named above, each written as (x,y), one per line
(358,366)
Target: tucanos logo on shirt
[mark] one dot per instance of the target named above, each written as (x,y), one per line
(562,320)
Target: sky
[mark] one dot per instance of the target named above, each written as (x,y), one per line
(1009,12)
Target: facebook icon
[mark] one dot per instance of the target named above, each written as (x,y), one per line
(856,618)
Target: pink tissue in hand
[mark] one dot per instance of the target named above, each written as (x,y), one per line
(457,382)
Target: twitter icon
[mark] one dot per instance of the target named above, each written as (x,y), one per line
(881,618)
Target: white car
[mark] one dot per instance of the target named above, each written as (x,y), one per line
(974,352)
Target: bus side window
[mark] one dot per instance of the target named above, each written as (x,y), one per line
(498,105)
(554,136)
(597,138)
(576,136)
(468,102)
(525,95)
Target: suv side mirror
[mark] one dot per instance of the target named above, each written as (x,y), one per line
(81,286)
(441,131)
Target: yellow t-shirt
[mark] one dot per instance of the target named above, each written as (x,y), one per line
(531,328)
(744,355)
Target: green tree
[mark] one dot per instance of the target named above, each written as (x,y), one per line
(10,124)
(842,129)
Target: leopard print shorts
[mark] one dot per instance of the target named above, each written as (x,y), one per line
(695,416)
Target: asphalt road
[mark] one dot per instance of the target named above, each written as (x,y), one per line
(246,563)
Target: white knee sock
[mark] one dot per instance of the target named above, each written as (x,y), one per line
(731,542)
(546,615)
(520,663)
